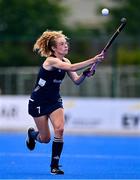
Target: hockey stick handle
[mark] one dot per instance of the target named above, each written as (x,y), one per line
(110,41)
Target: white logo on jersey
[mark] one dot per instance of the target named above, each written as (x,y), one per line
(57,81)
(41,82)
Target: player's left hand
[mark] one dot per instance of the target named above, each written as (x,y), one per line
(88,72)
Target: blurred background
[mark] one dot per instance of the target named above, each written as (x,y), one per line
(102,115)
(22,22)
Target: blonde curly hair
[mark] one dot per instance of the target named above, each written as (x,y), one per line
(45,42)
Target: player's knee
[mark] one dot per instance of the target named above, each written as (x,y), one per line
(59,131)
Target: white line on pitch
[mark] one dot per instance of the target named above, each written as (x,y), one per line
(88,156)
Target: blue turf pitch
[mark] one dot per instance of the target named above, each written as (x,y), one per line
(83,157)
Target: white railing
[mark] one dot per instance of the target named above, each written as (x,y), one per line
(107,82)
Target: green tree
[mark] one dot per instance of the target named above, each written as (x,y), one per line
(130,10)
(127,44)
(21,22)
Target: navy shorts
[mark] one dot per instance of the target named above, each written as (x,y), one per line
(37,110)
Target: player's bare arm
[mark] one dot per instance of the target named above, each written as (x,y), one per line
(57,63)
(77,79)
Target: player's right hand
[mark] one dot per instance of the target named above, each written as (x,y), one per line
(99,57)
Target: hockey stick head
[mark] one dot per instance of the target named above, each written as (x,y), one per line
(123,20)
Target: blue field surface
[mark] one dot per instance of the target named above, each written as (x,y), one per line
(83,157)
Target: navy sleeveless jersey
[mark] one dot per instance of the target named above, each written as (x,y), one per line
(47,87)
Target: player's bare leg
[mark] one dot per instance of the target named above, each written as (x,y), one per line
(42,135)
(57,119)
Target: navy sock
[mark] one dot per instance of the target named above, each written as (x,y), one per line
(57,147)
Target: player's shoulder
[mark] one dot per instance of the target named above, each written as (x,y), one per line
(66,60)
(50,59)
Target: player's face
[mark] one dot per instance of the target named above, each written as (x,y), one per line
(62,46)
